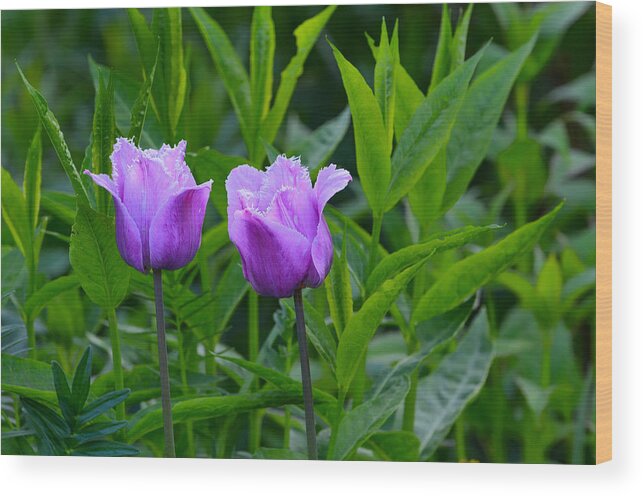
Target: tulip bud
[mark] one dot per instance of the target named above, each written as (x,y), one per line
(275,220)
(159,207)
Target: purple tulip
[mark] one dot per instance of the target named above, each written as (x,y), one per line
(275,220)
(159,207)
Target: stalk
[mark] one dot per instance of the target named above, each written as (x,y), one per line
(185,386)
(116,359)
(311,435)
(375,241)
(166,403)
(253,353)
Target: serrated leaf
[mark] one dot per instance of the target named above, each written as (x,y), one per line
(371,150)
(477,120)
(443,394)
(93,254)
(397,261)
(51,126)
(466,276)
(428,131)
(360,423)
(306,35)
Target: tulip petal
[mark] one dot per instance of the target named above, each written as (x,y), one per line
(321,254)
(125,155)
(128,237)
(243,185)
(283,173)
(175,230)
(271,254)
(172,159)
(330,180)
(296,210)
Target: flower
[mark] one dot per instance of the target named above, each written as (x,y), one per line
(159,207)
(275,220)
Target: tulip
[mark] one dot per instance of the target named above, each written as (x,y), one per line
(275,220)
(159,216)
(159,207)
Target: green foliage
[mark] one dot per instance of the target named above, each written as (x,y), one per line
(93,254)
(74,433)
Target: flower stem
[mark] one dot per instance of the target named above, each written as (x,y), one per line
(116,359)
(309,410)
(166,403)
(253,353)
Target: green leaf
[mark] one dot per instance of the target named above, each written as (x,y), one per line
(306,35)
(425,198)
(49,426)
(101,405)
(60,205)
(27,377)
(229,292)
(170,85)
(141,105)
(49,122)
(459,41)
(317,332)
(395,262)
(14,212)
(442,62)
(98,430)
(81,382)
(549,287)
(362,325)
(63,393)
(105,448)
(210,164)
(339,292)
(41,298)
(262,56)
(428,131)
(408,98)
(146,42)
(466,276)
(371,150)
(536,396)
(443,395)
(103,137)
(523,167)
(477,120)
(33,179)
(360,423)
(316,149)
(274,377)
(396,446)
(385,69)
(95,258)
(212,407)
(229,67)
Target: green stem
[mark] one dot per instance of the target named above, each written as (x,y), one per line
(166,402)
(460,442)
(253,353)
(408,418)
(117,360)
(309,410)
(339,413)
(185,388)
(545,375)
(288,365)
(522,110)
(375,241)
(31,338)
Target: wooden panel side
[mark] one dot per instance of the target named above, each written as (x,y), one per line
(603,232)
